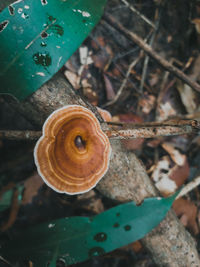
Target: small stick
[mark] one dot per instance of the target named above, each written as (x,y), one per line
(189,187)
(138,13)
(19,135)
(119,93)
(153,129)
(124,130)
(163,62)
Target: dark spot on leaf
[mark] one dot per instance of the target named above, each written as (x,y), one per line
(84,20)
(96,251)
(57,29)
(44,35)
(3,25)
(51,18)
(11,10)
(116,225)
(117,214)
(127,227)
(42,59)
(100,237)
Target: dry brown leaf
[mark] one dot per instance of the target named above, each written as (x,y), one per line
(105,114)
(168,175)
(154,143)
(160,176)
(100,60)
(188,96)
(176,156)
(73,78)
(91,95)
(180,174)
(95,204)
(110,93)
(196,22)
(165,110)
(187,212)
(31,187)
(147,103)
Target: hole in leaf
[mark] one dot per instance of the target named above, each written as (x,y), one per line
(3,25)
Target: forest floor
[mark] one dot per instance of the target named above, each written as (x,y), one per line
(112,72)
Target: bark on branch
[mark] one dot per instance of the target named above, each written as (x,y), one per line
(169,243)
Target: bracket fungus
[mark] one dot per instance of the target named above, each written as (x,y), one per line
(73,153)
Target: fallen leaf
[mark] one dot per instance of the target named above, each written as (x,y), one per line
(105,114)
(154,143)
(180,174)
(31,185)
(188,96)
(94,204)
(165,110)
(91,95)
(73,78)
(100,60)
(196,22)
(169,175)
(85,57)
(160,176)
(176,156)
(187,212)
(110,93)
(88,92)
(147,103)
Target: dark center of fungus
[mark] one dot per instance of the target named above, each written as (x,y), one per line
(79,142)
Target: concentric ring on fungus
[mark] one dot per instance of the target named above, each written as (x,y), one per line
(73,153)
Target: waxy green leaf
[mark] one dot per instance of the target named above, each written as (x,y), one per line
(6,198)
(77,239)
(38,36)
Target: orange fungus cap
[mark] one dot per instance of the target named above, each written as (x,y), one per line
(73,153)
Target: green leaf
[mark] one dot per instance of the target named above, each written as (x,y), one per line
(6,198)
(79,238)
(38,36)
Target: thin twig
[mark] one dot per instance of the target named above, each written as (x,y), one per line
(146,61)
(19,135)
(189,187)
(124,130)
(163,62)
(153,129)
(5,261)
(131,66)
(139,14)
